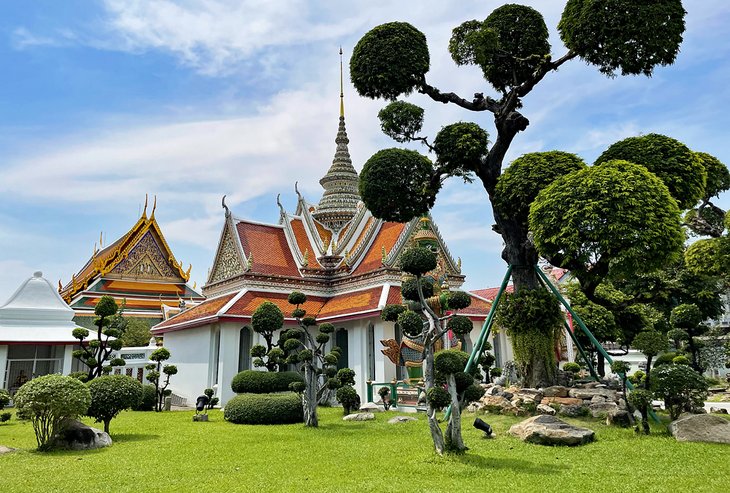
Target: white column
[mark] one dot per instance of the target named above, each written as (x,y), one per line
(68,359)
(3,366)
(229,346)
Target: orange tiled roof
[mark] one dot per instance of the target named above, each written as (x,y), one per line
(206,309)
(490,293)
(478,308)
(271,254)
(361,236)
(386,237)
(394,296)
(351,303)
(300,235)
(249,302)
(324,233)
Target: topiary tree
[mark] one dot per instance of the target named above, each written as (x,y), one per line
(149,399)
(641,400)
(425,326)
(688,318)
(650,343)
(309,350)
(266,320)
(112,394)
(680,387)
(212,401)
(156,370)
(512,50)
(621,369)
(47,401)
(97,353)
(4,399)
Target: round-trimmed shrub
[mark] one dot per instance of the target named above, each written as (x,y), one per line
(460,147)
(417,261)
(110,395)
(438,397)
(48,400)
(265,409)
(458,300)
(571,367)
(410,323)
(460,325)
(149,399)
(347,396)
(390,312)
(4,398)
(262,382)
(409,288)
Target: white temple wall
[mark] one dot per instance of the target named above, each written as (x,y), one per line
(190,351)
(68,359)
(229,358)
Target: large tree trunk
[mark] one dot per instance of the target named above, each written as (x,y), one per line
(454,440)
(433,424)
(310,397)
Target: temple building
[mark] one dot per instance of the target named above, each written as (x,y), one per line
(138,270)
(336,252)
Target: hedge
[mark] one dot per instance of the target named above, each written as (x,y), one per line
(265,409)
(263,382)
(149,399)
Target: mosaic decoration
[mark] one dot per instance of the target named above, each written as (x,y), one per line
(146,261)
(227,263)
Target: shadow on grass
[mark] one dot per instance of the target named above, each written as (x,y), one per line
(517,465)
(133,437)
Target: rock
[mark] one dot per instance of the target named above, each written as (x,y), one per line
(506,395)
(530,395)
(555,391)
(543,409)
(549,430)
(75,435)
(494,390)
(5,450)
(602,409)
(718,410)
(497,401)
(701,428)
(371,407)
(359,417)
(601,386)
(597,399)
(609,394)
(474,407)
(563,401)
(619,418)
(200,417)
(572,410)
(500,380)
(401,419)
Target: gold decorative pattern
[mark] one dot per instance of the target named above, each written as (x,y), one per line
(146,261)
(227,263)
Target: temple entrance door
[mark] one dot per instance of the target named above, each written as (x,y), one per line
(341,342)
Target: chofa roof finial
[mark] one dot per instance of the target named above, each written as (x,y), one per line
(281,207)
(223,204)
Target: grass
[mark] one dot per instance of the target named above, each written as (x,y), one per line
(168,452)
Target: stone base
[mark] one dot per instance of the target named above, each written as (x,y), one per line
(200,417)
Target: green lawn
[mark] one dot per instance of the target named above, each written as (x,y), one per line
(168,452)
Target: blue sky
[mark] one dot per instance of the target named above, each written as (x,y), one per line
(103,102)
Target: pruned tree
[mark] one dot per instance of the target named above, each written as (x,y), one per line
(650,343)
(266,320)
(155,375)
(309,350)
(512,50)
(420,322)
(97,353)
(136,333)
(112,394)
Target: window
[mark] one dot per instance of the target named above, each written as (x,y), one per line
(244,349)
(371,352)
(216,354)
(399,340)
(341,342)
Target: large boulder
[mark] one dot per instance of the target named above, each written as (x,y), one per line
(371,407)
(619,418)
(701,428)
(359,417)
(496,403)
(573,410)
(543,409)
(549,430)
(608,394)
(563,401)
(602,409)
(75,435)
(555,391)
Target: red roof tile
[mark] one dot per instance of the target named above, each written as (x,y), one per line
(249,302)
(490,293)
(386,237)
(271,254)
(206,309)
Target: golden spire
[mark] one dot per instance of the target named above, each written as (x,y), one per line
(342,92)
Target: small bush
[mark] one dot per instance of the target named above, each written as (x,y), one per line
(347,396)
(47,401)
(265,409)
(264,382)
(571,367)
(149,399)
(5,416)
(4,398)
(681,388)
(110,395)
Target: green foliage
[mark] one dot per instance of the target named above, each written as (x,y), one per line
(410,323)
(473,393)
(136,333)
(526,176)
(297,298)
(390,60)
(417,261)
(522,44)
(265,409)
(710,256)
(458,300)
(4,398)
(529,311)
(631,35)
(681,360)
(677,336)
(616,214)
(401,121)
(346,376)
(160,354)
(460,148)
(148,400)
(571,367)
(718,176)
(637,377)
(47,401)
(297,387)
(497,372)
(681,388)
(390,312)
(397,185)
(438,397)
(599,320)
(620,367)
(308,321)
(409,288)
(460,324)
(472,43)
(80,333)
(665,359)
(347,396)
(640,398)
(678,167)
(267,318)
(650,342)
(106,307)
(262,382)
(686,316)
(326,328)
(450,361)
(112,394)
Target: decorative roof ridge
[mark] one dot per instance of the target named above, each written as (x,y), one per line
(310,226)
(291,239)
(256,223)
(444,247)
(365,245)
(405,235)
(354,227)
(229,224)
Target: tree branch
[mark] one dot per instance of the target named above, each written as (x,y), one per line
(479,103)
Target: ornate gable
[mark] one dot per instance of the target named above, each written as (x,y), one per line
(228,260)
(146,260)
